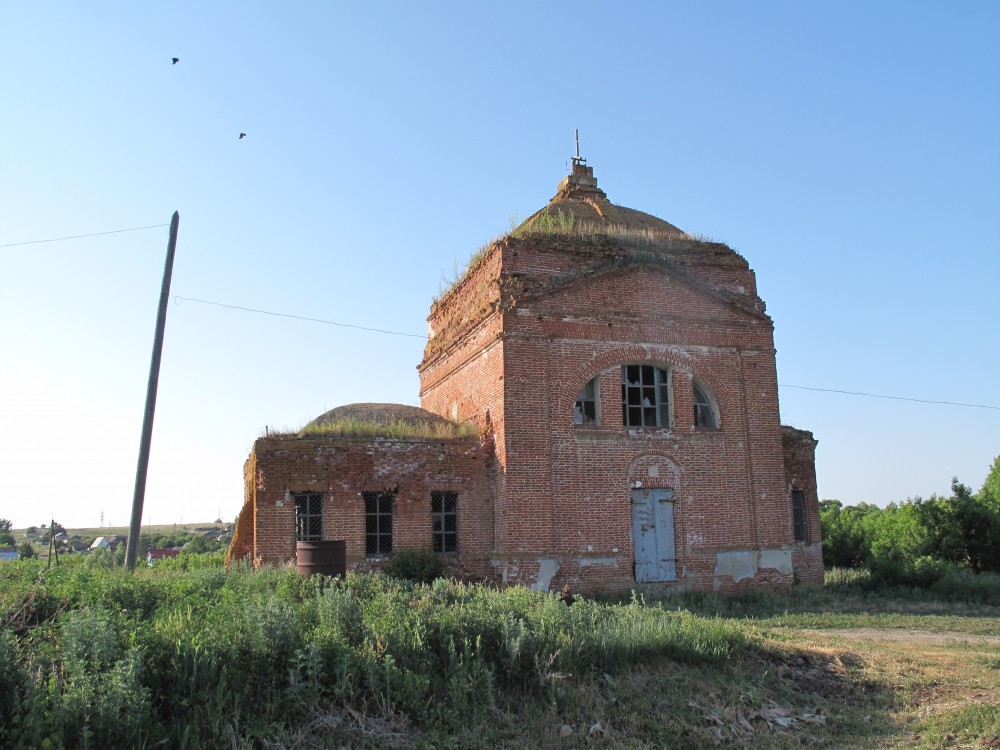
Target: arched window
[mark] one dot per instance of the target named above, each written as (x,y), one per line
(645,396)
(585,408)
(704,414)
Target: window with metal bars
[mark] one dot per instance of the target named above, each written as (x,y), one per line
(645,396)
(308,516)
(799,515)
(378,522)
(444,515)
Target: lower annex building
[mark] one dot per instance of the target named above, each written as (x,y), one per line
(599,408)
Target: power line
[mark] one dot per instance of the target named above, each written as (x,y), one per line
(895,398)
(79,236)
(178,298)
(298,317)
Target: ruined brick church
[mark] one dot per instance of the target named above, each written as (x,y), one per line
(599,408)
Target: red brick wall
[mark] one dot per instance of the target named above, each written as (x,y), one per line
(543,501)
(342,468)
(566,312)
(800,474)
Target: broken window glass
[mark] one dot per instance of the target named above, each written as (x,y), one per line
(645,396)
(444,518)
(585,409)
(704,415)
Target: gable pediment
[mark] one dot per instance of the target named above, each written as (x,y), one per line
(634,290)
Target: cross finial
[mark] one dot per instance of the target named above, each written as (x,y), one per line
(577,160)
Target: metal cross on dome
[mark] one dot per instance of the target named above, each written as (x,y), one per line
(577,159)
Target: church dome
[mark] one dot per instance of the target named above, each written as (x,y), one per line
(382,414)
(389,420)
(579,203)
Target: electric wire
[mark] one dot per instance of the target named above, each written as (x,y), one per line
(178,298)
(895,398)
(79,236)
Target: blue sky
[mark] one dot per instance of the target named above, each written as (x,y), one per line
(850,151)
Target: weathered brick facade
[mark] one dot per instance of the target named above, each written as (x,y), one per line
(340,469)
(622,375)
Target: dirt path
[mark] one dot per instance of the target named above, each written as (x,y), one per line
(905,635)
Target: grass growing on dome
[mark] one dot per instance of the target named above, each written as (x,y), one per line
(354,427)
(564,226)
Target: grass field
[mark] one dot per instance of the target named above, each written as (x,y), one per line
(187,655)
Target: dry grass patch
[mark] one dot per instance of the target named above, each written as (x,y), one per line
(392,429)
(944,690)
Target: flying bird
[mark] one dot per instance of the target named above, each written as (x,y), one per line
(242,136)
(174,60)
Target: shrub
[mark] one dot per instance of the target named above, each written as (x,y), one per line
(89,694)
(956,584)
(419,565)
(10,680)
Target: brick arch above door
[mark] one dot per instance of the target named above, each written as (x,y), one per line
(654,470)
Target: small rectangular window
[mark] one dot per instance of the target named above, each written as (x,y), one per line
(799,514)
(308,516)
(444,515)
(378,522)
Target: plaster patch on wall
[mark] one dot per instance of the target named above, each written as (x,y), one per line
(777,559)
(739,564)
(509,571)
(547,568)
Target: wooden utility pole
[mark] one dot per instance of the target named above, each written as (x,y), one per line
(52,541)
(147,420)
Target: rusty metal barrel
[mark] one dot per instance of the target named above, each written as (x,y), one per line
(327,557)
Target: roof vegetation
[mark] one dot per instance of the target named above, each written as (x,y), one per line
(400,429)
(565,226)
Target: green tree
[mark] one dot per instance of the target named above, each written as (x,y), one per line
(6,525)
(978,518)
(847,533)
(26,550)
(199,545)
(990,493)
(917,541)
(898,541)
(944,535)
